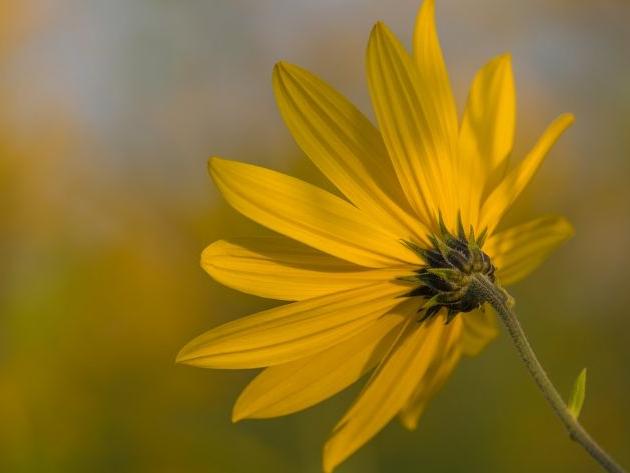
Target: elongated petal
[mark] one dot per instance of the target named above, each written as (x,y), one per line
(500,200)
(480,328)
(435,86)
(291,331)
(283,269)
(291,387)
(344,145)
(444,362)
(418,151)
(308,214)
(519,250)
(487,132)
(490,115)
(387,392)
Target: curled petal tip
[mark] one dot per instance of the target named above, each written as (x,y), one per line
(505,57)
(188,354)
(379,28)
(328,466)
(237,415)
(213,161)
(182,357)
(280,66)
(566,119)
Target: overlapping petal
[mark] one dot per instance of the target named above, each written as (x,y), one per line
(444,362)
(291,331)
(345,146)
(283,269)
(419,151)
(308,214)
(387,392)
(291,387)
(487,133)
(519,250)
(502,197)
(435,86)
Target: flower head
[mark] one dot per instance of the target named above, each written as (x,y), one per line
(379,281)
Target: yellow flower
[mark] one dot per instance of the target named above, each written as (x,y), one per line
(378,281)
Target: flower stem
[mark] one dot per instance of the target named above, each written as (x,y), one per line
(501,302)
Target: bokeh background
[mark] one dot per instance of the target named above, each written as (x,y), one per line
(109,110)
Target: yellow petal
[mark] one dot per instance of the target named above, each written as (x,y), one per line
(291,331)
(344,145)
(419,152)
(519,250)
(480,328)
(487,132)
(308,214)
(280,268)
(490,115)
(500,200)
(387,392)
(435,86)
(291,387)
(443,364)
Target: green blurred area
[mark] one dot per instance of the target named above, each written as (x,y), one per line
(110,110)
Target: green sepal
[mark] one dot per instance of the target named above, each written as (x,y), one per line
(472,244)
(409,279)
(442,225)
(461,233)
(447,274)
(413,247)
(435,300)
(450,315)
(441,246)
(577,395)
(481,239)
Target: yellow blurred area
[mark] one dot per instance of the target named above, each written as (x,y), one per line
(110,110)
(15,20)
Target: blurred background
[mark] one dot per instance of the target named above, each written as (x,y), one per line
(109,110)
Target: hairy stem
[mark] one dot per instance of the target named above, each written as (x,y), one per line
(500,300)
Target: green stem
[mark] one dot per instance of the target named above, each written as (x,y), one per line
(500,300)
